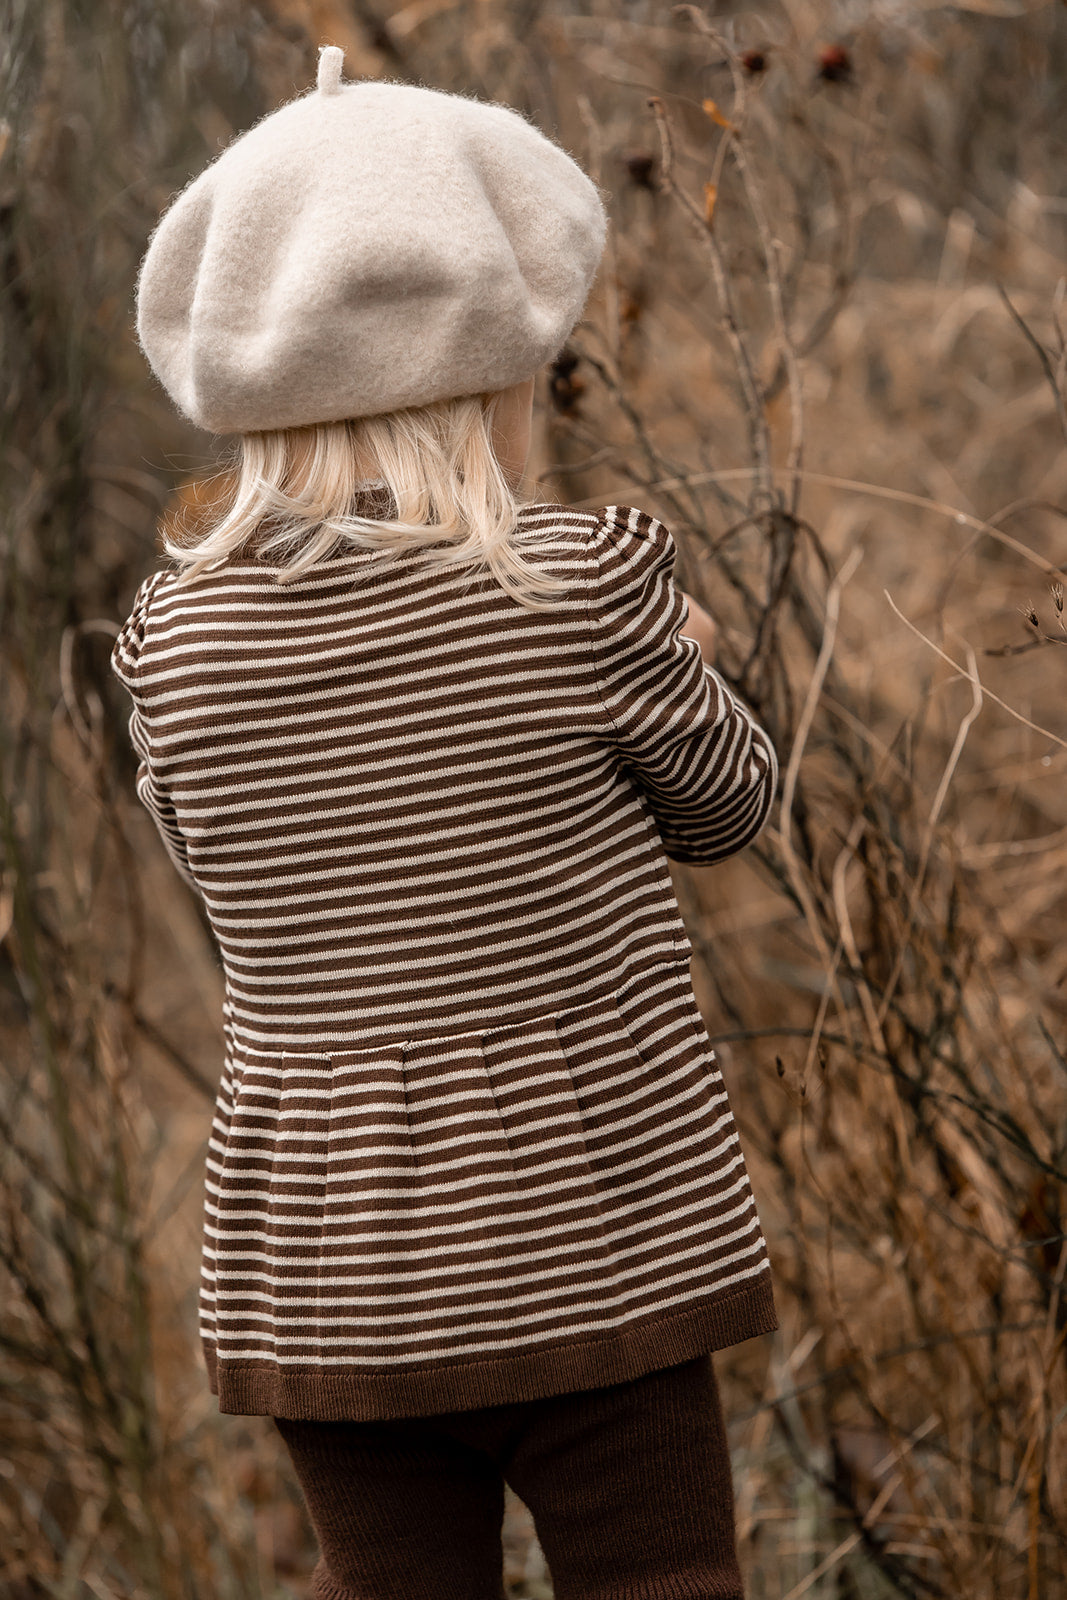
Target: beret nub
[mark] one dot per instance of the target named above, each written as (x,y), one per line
(367,247)
(331,60)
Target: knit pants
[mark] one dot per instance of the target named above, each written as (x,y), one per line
(629,1488)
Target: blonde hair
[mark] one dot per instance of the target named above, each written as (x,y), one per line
(291,493)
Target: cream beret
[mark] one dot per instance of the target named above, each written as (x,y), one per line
(366,247)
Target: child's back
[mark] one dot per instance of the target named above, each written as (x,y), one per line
(469,1117)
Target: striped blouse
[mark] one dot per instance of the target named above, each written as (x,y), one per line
(471,1143)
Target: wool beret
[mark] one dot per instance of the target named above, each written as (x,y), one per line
(367,247)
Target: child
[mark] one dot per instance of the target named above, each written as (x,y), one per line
(476,1210)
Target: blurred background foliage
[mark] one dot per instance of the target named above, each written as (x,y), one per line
(827,347)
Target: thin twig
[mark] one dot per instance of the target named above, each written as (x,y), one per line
(1036,727)
(878,491)
(758,431)
(1051,373)
(931,824)
(789,784)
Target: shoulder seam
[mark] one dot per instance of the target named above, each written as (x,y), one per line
(133,631)
(631,520)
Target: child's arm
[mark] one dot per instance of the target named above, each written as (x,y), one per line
(158,803)
(704,765)
(126,665)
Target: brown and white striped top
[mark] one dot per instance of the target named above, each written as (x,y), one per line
(471,1144)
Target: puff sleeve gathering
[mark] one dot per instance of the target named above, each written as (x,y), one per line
(705,767)
(126,665)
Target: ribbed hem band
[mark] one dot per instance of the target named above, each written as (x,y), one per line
(262,1390)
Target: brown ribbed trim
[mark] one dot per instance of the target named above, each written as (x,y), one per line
(267,1391)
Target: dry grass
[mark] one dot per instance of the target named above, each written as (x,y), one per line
(828,350)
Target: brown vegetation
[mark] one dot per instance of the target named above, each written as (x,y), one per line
(827,348)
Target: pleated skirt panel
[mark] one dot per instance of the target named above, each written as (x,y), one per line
(474,1218)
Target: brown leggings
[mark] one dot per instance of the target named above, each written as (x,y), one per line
(629,1488)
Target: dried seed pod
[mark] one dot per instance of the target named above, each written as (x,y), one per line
(641,165)
(631,306)
(564,385)
(835,64)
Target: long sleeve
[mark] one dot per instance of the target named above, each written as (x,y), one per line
(706,768)
(126,665)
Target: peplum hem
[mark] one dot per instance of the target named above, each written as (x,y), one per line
(266,1389)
